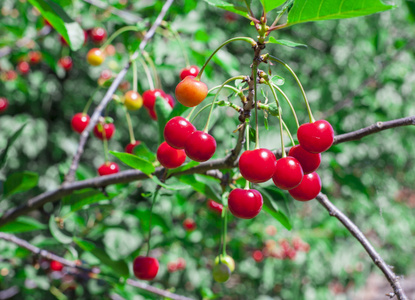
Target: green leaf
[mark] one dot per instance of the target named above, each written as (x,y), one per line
(272,208)
(203,185)
(135,162)
(119,267)
(269,5)
(178,110)
(144,216)
(185,167)
(163,110)
(20,182)
(23,224)
(57,17)
(143,152)
(81,198)
(277,80)
(12,139)
(237,9)
(172,187)
(56,233)
(316,10)
(287,43)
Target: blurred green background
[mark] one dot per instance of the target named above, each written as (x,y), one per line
(355,72)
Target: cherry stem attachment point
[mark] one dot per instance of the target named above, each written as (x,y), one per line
(245,39)
(310,114)
(214,99)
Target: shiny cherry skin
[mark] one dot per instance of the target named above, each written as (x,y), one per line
(177,131)
(191,92)
(145,268)
(169,157)
(152,114)
(95,57)
(189,71)
(170,100)
(109,130)
(11,75)
(23,67)
(181,263)
(79,122)
(108,168)
(34,57)
(308,189)
(227,260)
(308,161)
(56,266)
(200,146)
(215,206)
(98,35)
(245,204)
(258,256)
(288,173)
(133,100)
(189,224)
(149,97)
(4,104)
(66,63)
(257,165)
(130,147)
(316,137)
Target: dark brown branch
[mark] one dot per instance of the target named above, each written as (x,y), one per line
(50,256)
(216,164)
(108,96)
(355,231)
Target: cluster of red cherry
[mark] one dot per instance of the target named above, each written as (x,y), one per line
(285,250)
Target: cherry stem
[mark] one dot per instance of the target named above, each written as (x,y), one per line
(225,229)
(151,217)
(105,143)
(288,132)
(280,119)
(238,92)
(117,33)
(247,183)
(191,113)
(148,74)
(90,100)
(254,72)
(310,114)
(249,8)
(246,39)
(289,103)
(225,103)
(179,40)
(134,63)
(130,126)
(153,68)
(214,99)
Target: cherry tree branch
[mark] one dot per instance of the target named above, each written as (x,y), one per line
(215,164)
(108,96)
(51,256)
(377,259)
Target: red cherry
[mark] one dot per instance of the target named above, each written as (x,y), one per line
(65,62)
(308,189)
(230,16)
(23,67)
(169,157)
(145,268)
(100,128)
(258,256)
(257,165)
(177,131)
(98,34)
(152,114)
(149,98)
(316,137)
(170,100)
(189,224)
(189,71)
(181,263)
(11,75)
(215,206)
(245,204)
(308,161)
(79,122)
(56,266)
(35,57)
(108,168)
(288,173)
(200,146)
(191,92)
(171,266)
(4,103)
(130,147)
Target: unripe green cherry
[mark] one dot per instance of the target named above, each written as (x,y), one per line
(227,260)
(221,273)
(133,100)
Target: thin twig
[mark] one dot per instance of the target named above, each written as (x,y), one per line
(108,96)
(355,231)
(216,164)
(51,256)
(126,16)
